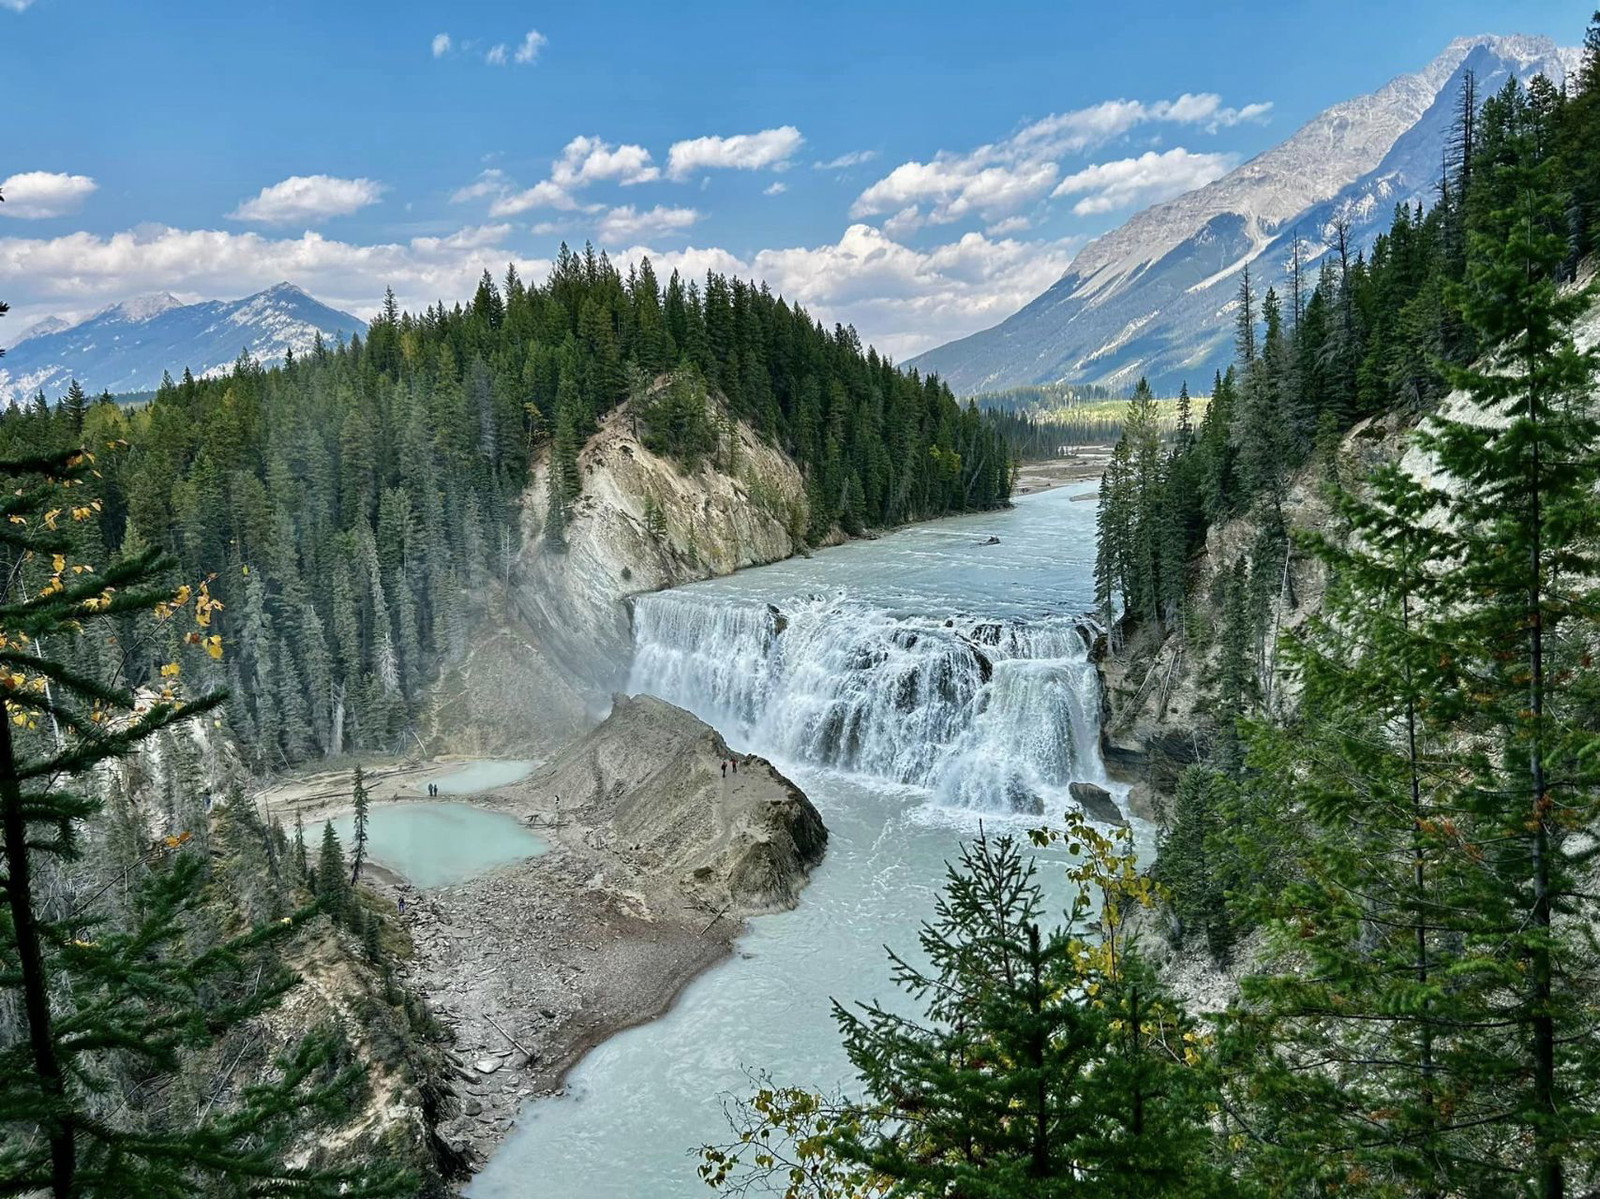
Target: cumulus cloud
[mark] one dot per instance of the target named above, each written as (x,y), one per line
(625,224)
(80,272)
(852,159)
(769,149)
(957,188)
(441,44)
(997,180)
(15,5)
(584,160)
(902,300)
(497,55)
(35,195)
(1147,179)
(1085,128)
(532,42)
(309,198)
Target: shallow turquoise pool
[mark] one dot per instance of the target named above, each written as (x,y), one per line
(440,844)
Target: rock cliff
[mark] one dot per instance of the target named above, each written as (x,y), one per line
(556,641)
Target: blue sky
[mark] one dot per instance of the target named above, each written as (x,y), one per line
(920,170)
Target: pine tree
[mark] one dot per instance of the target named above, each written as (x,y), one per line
(141,996)
(74,405)
(332,883)
(359,838)
(1044,1062)
(1521,616)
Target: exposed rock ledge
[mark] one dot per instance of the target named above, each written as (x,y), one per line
(655,858)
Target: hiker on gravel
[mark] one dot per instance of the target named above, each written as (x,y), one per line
(724,767)
(734,762)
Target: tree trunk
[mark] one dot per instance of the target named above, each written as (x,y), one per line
(57,1124)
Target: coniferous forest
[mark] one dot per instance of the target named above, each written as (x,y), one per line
(350,505)
(1363,958)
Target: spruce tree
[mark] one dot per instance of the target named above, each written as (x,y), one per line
(358,839)
(333,883)
(1523,616)
(147,994)
(1044,1061)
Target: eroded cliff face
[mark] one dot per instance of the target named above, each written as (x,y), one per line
(556,644)
(643,523)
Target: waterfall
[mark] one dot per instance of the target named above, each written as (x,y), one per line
(985,714)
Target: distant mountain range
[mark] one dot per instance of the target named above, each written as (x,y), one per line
(1155,297)
(125,348)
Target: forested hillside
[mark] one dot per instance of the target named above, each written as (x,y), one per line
(1358,337)
(351,506)
(1396,793)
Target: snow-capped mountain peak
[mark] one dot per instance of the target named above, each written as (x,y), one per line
(1146,298)
(140,308)
(127,347)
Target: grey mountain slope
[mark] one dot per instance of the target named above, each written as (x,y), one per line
(127,347)
(1155,296)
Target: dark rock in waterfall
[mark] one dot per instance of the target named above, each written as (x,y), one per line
(1097,803)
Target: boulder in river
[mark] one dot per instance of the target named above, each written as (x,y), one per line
(989,540)
(1097,803)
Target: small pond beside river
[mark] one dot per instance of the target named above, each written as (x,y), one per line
(441,844)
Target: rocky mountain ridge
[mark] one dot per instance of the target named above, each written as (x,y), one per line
(127,347)
(1154,297)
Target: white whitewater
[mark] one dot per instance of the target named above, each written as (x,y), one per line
(913,686)
(980,713)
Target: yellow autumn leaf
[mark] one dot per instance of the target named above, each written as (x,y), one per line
(213,646)
(170,670)
(58,563)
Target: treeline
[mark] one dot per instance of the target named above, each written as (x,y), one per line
(1041,397)
(350,507)
(1400,798)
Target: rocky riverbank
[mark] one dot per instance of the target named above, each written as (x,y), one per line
(656,856)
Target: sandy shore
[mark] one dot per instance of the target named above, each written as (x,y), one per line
(1046,476)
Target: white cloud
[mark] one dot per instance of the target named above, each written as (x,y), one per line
(308,198)
(80,272)
(492,182)
(540,195)
(496,57)
(1147,179)
(625,223)
(956,187)
(776,188)
(441,44)
(771,148)
(1012,224)
(1084,128)
(584,160)
(997,180)
(34,195)
(852,159)
(15,5)
(901,299)
(532,42)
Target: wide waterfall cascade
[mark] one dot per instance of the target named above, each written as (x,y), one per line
(843,668)
(993,714)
